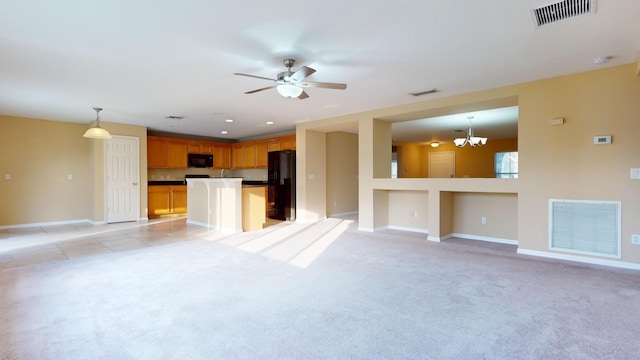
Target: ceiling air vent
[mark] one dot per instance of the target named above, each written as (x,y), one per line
(427,92)
(562,10)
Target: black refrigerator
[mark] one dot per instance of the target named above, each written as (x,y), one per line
(281,202)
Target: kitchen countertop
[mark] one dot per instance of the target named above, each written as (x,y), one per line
(184,182)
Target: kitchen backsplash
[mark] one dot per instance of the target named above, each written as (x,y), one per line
(176,174)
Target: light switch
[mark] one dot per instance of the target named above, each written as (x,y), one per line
(635,173)
(7,176)
(69,177)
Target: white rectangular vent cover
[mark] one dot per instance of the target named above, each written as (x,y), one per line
(586,227)
(562,10)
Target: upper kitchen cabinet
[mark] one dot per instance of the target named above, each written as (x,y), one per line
(237,156)
(200,147)
(261,155)
(249,151)
(222,156)
(156,152)
(177,151)
(288,143)
(282,143)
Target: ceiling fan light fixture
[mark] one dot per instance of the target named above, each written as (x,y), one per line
(289,91)
(97,132)
(434,144)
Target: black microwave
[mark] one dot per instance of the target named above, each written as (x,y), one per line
(200,160)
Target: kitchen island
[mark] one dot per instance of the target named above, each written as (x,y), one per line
(215,203)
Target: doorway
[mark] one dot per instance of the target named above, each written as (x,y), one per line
(122,179)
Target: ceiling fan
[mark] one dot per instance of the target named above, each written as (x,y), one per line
(290,84)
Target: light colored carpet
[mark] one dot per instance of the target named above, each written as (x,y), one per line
(321,291)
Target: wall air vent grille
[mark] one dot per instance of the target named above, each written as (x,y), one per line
(562,10)
(586,227)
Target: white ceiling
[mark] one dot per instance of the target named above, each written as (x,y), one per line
(144,60)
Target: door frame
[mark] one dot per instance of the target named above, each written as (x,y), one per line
(106,172)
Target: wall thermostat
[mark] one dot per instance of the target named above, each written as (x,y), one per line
(602,139)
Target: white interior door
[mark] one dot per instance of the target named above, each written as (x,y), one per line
(442,164)
(122,171)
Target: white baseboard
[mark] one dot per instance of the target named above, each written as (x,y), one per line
(405,228)
(214,227)
(51,223)
(581,259)
(349,213)
(480,238)
(435,238)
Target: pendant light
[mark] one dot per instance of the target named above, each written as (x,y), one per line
(97,132)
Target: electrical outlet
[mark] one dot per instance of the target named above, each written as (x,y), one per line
(7,176)
(69,177)
(484,220)
(635,239)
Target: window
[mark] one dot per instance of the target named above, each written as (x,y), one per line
(394,165)
(506,165)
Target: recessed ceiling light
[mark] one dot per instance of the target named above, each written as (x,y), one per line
(229,120)
(601,60)
(224,132)
(269,122)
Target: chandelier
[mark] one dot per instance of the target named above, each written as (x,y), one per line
(470,139)
(97,132)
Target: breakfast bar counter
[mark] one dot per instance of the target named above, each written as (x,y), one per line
(215,203)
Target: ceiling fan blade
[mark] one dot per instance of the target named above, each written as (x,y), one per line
(302,74)
(322,85)
(261,89)
(304,95)
(253,76)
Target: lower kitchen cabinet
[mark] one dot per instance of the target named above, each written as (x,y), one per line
(167,200)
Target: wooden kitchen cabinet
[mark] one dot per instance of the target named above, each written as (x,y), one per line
(261,155)
(288,143)
(238,156)
(222,156)
(177,151)
(156,152)
(166,200)
(249,151)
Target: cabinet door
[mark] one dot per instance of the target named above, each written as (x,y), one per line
(238,156)
(249,155)
(194,147)
(159,200)
(156,153)
(177,154)
(206,147)
(288,143)
(261,155)
(273,145)
(179,199)
(222,156)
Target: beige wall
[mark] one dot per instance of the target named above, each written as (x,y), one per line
(499,210)
(342,173)
(40,154)
(555,161)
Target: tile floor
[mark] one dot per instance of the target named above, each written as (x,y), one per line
(36,245)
